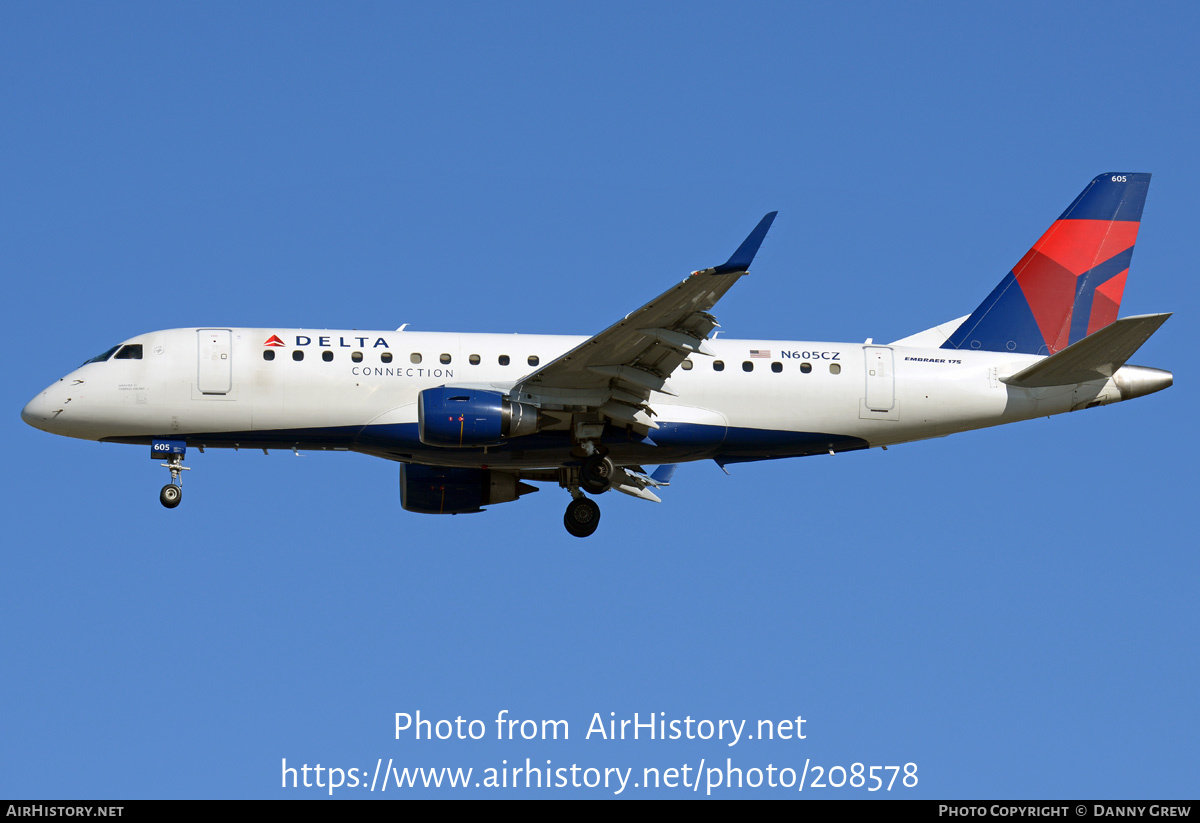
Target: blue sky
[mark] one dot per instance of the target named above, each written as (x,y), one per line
(1012,610)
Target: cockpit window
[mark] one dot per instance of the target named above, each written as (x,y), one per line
(131,352)
(100,358)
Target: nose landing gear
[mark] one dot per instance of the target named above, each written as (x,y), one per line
(172,493)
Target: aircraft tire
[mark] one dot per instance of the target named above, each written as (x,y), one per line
(595,476)
(170,496)
(582,517)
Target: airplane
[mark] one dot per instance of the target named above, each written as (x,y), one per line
(473,419)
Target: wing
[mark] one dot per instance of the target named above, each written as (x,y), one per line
(614,372)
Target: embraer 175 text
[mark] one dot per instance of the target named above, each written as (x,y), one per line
(469,417)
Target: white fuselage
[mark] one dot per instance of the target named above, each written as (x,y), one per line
(357,390)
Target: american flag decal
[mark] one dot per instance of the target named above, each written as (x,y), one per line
(761,353)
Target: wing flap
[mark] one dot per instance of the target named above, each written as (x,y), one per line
(680,341)
(636,483)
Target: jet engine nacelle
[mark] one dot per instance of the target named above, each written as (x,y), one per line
(462,418)
(448,490)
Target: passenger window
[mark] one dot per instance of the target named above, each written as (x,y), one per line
(834,368)
(533,359)
(413,358)
(356,356)
(130,352)
(503,360)
(268,354)
(805,368)
(747,365)
(445,358)
(386,357)
(298,355)
(474,359)
(687,365)
(718,365)
(777,367)
(327,356)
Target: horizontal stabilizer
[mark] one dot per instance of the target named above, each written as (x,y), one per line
(1095,357)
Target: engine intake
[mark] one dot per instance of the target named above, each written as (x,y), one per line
(462,418)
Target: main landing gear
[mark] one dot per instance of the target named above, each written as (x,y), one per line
(596,473)
(582,517)
(595,477)
(172,493)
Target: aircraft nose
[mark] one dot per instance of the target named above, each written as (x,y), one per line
(34,412)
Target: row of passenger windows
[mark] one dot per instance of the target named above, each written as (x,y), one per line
(415,357)
(133,351)
(504,360)
(776,366)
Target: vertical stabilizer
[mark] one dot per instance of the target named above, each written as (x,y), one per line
(1071,282)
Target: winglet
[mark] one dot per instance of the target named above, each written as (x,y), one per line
(744,256)
(663,474)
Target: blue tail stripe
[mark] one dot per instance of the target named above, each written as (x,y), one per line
(1085,290)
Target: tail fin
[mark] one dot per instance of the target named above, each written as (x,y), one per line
(1071,282)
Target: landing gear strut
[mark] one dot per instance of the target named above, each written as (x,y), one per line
(172,493)
(594,476)
(582,517)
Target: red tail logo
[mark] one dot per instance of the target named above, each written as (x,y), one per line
(274,340)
